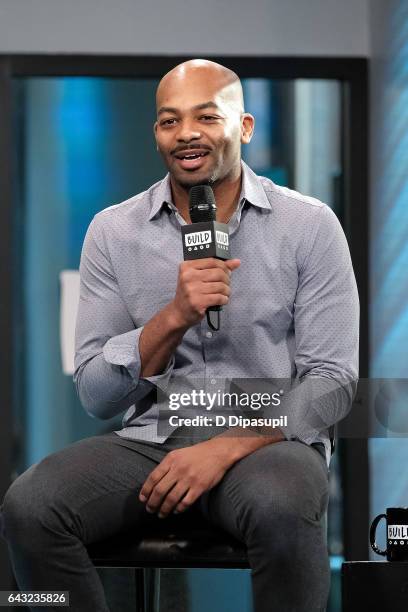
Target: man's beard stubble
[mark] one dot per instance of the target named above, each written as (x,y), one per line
(187,185)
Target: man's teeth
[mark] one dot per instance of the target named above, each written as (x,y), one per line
(194,156)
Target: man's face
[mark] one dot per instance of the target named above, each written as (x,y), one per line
(199,130)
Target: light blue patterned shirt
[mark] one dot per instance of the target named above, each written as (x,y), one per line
(293,313)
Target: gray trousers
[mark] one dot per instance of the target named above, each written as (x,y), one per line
(274,500)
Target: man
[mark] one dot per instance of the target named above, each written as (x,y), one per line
(291,312)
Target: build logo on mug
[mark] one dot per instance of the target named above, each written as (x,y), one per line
(397,534)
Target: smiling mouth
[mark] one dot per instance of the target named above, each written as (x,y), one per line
(191,161)
(191,156)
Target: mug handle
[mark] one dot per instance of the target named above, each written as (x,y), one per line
(372,535)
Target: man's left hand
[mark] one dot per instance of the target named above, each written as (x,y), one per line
(183,475)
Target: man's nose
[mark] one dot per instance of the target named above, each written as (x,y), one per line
(188,131)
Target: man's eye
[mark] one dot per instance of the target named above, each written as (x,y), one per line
(209,117)
(167,122)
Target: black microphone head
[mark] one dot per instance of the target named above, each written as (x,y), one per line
(202,204)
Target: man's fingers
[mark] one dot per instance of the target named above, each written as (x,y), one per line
(233,264)
(202,283)
(202,264)
(189,499)
(214,299)
(173,498)
(154,477)
(160,492)
(211,262)
(213,275)
(180,502)
(216,288)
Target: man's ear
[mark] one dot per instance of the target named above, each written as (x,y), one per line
(247,127)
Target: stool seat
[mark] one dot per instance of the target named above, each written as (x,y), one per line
(171,545)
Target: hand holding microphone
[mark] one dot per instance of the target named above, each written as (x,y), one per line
(203,285)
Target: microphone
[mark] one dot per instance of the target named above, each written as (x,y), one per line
(205,236)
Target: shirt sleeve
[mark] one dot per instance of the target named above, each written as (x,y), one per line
(107,359)
(326,323)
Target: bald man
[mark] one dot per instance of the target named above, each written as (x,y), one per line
(290,312)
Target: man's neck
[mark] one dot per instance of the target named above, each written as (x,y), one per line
(226,196)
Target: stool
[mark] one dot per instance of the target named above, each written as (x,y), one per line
(172,544)
(375,586)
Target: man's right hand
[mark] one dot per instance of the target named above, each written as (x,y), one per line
(201,283)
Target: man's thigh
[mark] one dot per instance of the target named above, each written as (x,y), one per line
(91,487)
(284,479)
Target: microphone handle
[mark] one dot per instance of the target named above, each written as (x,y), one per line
(214,309)
(215,325)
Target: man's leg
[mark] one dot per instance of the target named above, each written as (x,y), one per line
(274,501)
(83,493)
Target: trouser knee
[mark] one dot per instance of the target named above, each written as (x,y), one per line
(29,514)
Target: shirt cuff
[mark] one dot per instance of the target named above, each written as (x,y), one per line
(295,431)
(123,350)
(312,406)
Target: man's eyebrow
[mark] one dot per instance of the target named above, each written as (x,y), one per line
(203,105)
(206,105)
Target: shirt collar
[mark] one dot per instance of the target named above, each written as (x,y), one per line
(161,196)
(252,191)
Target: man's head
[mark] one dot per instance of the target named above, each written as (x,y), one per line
(200,113)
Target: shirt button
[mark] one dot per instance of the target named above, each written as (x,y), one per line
(208,334)
(213,381)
